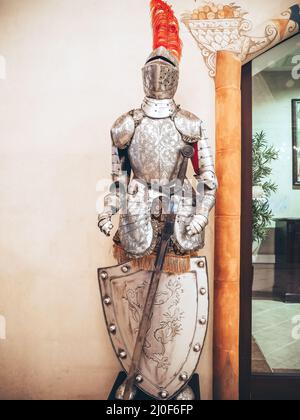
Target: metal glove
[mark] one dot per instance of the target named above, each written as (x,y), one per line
(105,223)
(197,225)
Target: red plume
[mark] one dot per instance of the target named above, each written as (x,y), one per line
(165,28)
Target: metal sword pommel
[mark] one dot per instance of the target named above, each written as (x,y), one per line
(187,152)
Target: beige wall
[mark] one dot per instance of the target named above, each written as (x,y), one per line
(72,67)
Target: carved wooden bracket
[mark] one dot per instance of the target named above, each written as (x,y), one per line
(215,29)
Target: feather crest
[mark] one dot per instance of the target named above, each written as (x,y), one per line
(165,28)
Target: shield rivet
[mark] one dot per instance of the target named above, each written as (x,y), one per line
(203,321)
(125,269)
(112,328)
(164,394)
(104,275)
(201,264)
(197,348)
(122,354)
(203,291)
(139,379)
(107,301)
(184,377)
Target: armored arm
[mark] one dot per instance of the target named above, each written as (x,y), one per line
(203,164)
(193,133)
(121,134)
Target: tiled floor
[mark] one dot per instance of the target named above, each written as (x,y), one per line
(259,363)
(275,333)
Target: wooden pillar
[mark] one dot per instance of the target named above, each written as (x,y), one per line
(228,218)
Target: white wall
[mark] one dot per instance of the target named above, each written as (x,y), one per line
(72,67)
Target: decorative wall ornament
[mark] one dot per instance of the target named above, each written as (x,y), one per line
(225,28)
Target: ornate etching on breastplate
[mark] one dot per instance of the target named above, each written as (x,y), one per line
(155,150)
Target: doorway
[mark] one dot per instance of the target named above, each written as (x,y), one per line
(270,225)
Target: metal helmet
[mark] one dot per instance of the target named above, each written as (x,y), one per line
(161,71)
(161,74)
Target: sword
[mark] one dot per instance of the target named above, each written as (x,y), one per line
(167,232)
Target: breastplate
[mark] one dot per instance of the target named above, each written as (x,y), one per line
(155,150)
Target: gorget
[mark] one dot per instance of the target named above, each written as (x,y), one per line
(158,108)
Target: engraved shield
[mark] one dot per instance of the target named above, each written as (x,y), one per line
(178,323)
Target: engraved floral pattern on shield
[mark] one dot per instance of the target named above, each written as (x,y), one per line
(166,323)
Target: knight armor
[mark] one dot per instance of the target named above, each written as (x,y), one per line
(147,163)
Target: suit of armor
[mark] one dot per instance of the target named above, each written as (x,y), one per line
(147,163)
(146,145)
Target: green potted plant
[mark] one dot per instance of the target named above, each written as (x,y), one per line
(263,187)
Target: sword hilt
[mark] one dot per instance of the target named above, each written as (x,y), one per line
(187,152)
